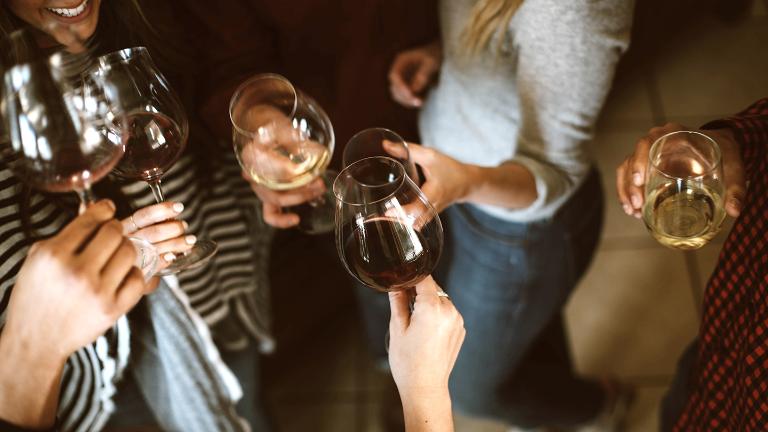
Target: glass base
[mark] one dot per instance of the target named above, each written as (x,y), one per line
(196,257)
(318,216)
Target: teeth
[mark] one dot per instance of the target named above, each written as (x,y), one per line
(71,12)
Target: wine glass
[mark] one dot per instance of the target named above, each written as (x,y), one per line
(284,140)
(380,142)
(154,127)
(388,235)
(684,204)
(54,137)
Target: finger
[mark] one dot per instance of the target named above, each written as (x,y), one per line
(422,76)
(118,266)
(72,237)
(130,291)
(400,316)
(292,197)
(395,149)
(622,187)
(151,215)
(175,245)
(161,232)
(735,182)
(404,97)
(638,168)
(397,73)
(274,216)
(426,291)
(106,241)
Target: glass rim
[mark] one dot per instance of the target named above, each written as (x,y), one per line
(121,55)
(398,183)
(242,87)
(715,146)
(372,129)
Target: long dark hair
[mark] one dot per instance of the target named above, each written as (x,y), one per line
(122,23)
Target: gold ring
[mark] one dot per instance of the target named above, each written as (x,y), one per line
(133,222)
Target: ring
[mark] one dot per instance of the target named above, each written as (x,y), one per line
(133,222)
(441,293)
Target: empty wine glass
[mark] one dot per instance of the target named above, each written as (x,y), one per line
(684,205)
(388,235)
(284,140)
(380,142)
(55,138)
(153,125)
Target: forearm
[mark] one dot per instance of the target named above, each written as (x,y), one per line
(510,185)
(29,383)
(428,412)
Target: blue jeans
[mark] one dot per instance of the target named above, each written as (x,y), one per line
(510,281)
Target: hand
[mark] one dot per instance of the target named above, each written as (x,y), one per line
(412,71)
(631,174)
(158,225)
(446,180)
(423,346)
(73,286)
(273,201)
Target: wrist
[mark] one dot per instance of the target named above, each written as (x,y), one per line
(29,351)
(427,409)
(472,178)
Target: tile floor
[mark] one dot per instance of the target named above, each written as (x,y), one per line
(638,306)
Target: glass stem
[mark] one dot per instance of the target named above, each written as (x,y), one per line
(157,191)
(86,198)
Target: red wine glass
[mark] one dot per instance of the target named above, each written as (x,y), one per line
(388,235)
(54,136)
(155,129)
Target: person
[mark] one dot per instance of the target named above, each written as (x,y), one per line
(210,321)
(62,291)
(720,380)
(508,101)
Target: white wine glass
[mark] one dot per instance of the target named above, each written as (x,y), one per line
(284,140)
(374,142)
(684,192)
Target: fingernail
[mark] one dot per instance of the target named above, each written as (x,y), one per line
(637,179)
(637,201)
(190,239)
(185,225)
(169,257)
(628,209)
(178,207)
(736,203)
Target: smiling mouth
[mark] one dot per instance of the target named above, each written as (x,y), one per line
(69,12)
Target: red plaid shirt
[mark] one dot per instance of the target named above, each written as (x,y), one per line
(731,375)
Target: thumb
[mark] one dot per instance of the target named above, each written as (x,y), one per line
(400,316)
(420,154)
(735,191)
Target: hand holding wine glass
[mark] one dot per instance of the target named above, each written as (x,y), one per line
(380,142)
(631,174)
(283,141)
(152,125)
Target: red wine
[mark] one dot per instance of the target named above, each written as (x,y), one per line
(388,255)
(153,142)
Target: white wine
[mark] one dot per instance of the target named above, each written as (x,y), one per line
(285,167)
(683,215)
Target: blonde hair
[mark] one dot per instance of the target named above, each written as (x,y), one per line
(488,18)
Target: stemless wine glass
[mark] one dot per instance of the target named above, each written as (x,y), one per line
(284,140)
(55,139)
(380,142)
(684,193)
(154,127)
(388,235)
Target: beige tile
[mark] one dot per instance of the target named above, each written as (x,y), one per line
(644,414)
(467,424)
(318,417)
(759,9)
(629,103)
(713,69)
(610,148)
(633,313)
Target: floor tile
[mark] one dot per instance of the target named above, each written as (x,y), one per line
(628,104)
(467,424)
(632,314)
(644,414)
(713,69)
(319,417)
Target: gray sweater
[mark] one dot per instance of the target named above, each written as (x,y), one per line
(536,104)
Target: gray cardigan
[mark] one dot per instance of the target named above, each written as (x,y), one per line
(537,102)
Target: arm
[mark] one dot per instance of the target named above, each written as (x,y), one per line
(566,56)
(71,289)
(423,348)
